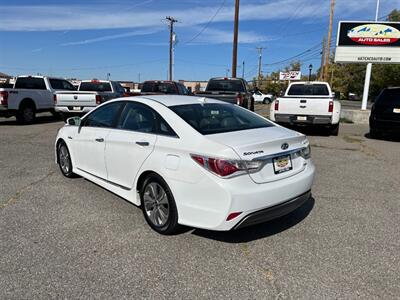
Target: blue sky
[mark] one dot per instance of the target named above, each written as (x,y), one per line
(88,39)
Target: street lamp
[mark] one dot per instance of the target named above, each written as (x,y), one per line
(309,74)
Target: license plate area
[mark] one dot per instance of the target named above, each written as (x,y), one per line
(301,118)
(282,164)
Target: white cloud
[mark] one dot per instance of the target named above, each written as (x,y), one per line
(106,16)
(110,37)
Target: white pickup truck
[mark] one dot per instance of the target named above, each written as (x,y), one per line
(90,93)
(308,103)
(29,95)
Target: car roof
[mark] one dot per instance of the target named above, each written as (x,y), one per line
(172,100)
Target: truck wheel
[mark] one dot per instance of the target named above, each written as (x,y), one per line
(26,113)
(334,130)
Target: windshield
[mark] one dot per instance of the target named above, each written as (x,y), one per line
(218,118)
(389,96)
(225,86)
(308,90)
(95,86)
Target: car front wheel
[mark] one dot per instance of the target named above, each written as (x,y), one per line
(158,205)
(64,160)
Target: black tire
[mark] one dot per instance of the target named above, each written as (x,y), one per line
(375,134)
(64,160)
(26,113)
(154,210)
(266,100)
(334,130)
(64,117)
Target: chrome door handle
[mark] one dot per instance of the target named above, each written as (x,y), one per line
(143,143)
(100,140)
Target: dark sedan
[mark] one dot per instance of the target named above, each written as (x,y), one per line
(385,113)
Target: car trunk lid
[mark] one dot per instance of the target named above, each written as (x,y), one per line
(278,143)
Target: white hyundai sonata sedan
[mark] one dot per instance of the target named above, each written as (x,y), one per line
(189,161)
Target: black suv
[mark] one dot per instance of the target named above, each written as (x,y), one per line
(385,113)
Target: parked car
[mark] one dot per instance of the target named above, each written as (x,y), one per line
(385,113)
(308,103)
(90,93)
(259,97)
(30,95)
(189,161)
(231,90)
(160,87)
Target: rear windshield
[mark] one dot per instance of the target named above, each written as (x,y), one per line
(31,83)
(95,86)
(59,84)
(225,86)
(389,96)
(308,90)
(159,87)
(218,118)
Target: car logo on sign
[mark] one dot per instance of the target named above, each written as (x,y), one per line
(284,146)
(374,34)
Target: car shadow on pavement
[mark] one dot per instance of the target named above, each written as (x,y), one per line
(388,137)
(38,120)
(261,230)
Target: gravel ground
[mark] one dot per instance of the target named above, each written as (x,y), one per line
(62,238)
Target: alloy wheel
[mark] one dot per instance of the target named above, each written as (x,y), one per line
(156,205)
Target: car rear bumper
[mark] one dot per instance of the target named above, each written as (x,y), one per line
(71,110)
(208,203)
(310,119)
(273,212)
(389,126)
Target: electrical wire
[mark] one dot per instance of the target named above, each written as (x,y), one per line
(207,24)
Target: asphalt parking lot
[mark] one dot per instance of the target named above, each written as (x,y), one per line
(62,238)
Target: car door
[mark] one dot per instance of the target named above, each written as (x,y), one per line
(131,143)
(89,142)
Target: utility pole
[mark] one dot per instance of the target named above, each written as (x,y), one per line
(108,76)
(328,48)
(171,21)
(368,71)
(260,49)
(243,69)
(227,72)
(235,39)
(321,69)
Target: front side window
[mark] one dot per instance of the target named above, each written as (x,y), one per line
(214,118)
(104,116)
(60,84)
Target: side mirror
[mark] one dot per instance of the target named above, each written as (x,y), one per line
(336,95)
(74,121)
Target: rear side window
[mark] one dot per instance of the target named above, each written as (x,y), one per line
(218,118)
(31,83)
(95,86)
(308,90)
(141,118)
(59,84)
(104,116)
(389,96)
(225,85)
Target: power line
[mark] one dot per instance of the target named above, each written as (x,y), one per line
(207,24)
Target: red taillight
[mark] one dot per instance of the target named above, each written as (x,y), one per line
(233,215)
(4,98)
(221,167)
(218,166)
(330,109)
(276,104)
(98,99)
(239,100)
(55,98)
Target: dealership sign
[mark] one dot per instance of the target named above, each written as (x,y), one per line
(291,75)
(376,42)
